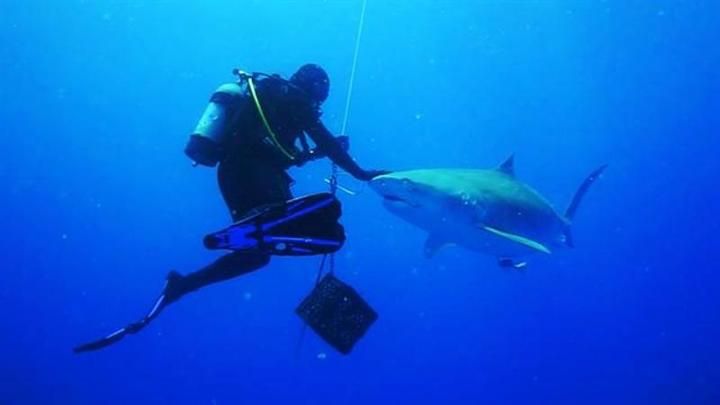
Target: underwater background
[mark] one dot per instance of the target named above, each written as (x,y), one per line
(98,202)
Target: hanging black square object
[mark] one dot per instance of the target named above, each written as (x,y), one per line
(337,313)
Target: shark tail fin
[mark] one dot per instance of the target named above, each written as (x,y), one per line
(577,199)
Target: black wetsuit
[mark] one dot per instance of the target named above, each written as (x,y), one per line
(252,174)
(254,171)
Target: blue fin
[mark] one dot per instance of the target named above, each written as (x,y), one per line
(508,166)
(577,199)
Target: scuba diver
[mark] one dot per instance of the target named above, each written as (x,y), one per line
(251,130)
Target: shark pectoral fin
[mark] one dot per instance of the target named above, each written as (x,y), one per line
(518,239)
(506,263)
(433,244)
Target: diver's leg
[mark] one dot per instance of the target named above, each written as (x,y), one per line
(244,186)
(250,184)
(226,267)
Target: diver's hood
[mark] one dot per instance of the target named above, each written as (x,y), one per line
(313,80)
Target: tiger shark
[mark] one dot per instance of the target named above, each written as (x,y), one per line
(488,211)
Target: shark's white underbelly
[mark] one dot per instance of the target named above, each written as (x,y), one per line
(477,239)
(445,228)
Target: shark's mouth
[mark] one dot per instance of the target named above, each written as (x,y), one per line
(393,199)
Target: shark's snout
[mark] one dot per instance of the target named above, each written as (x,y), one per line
(395,191)
(384,185)
(377,184)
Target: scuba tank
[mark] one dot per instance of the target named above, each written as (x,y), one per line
(205,146)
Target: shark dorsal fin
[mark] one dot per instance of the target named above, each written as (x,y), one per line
(508,166)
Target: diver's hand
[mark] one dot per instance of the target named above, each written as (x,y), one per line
(316,153)
(371,174)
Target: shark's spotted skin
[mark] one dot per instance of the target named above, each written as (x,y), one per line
(489,211)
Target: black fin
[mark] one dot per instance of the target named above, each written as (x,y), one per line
(132,328)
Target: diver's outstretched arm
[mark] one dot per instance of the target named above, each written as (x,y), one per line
(337,152)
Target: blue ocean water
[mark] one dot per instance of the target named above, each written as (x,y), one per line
(99,202)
